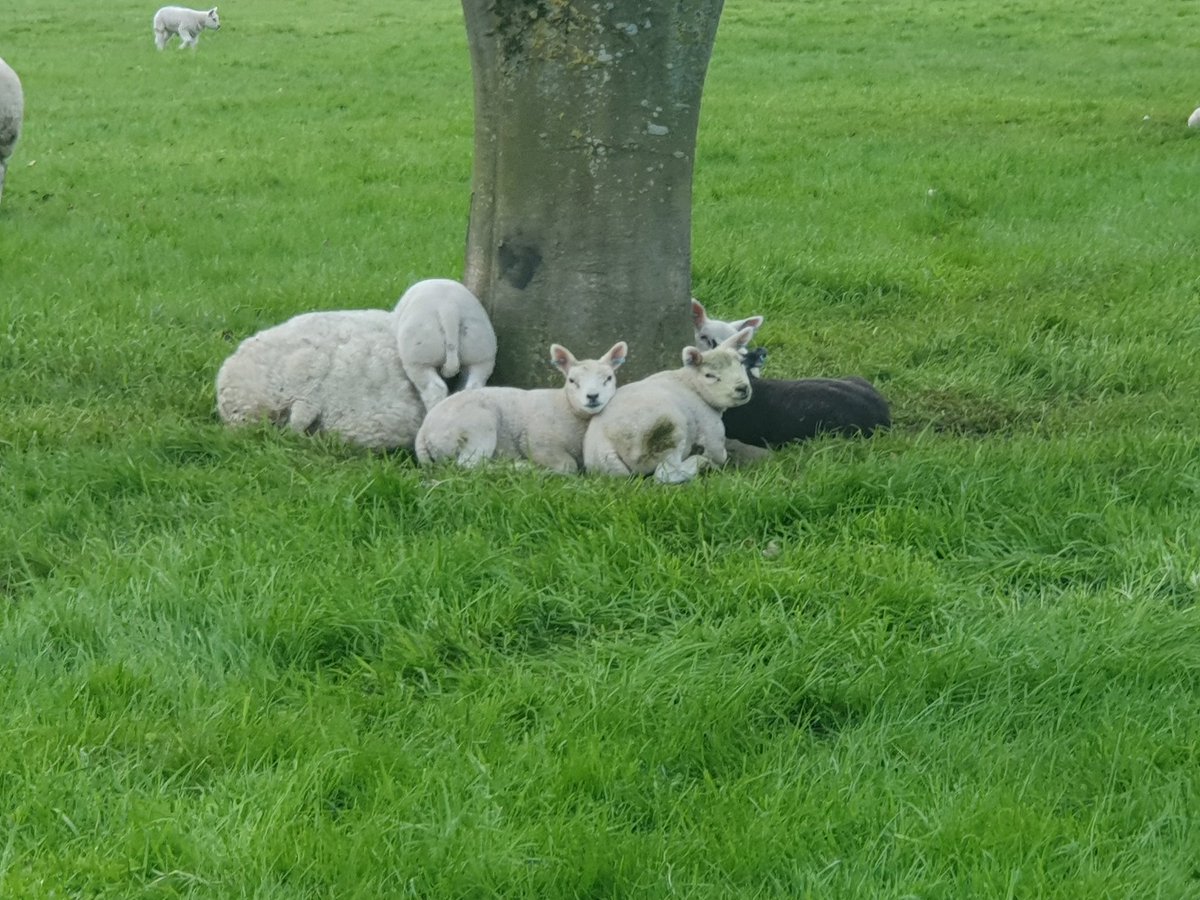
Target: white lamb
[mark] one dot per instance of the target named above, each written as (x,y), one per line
(12,109)
(443,330)
(669,424)
(333,371)
(545,426)
(187,23)
(710,332)
(1194,119)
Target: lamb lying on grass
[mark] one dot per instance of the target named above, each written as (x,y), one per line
(545,426)
(12,109)
(669,424)
(780,412)
(324,371)
(710,332)
(187,23)
(443,330)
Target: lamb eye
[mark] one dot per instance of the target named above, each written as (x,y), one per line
(608,380)
(711,376)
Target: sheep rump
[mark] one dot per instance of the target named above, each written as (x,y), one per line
(443,332)
(324,371)
(12,111)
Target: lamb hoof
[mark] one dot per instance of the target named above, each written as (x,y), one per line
(673,473)
(740,454)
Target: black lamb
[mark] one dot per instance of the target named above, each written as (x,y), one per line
(780,412)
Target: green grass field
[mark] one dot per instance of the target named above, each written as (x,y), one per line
(958,660)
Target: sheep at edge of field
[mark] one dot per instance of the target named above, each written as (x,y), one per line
(669,423)
(1194,119)
(710,332)
(544,426)
(12,110)
(187,23)
(336,371)
(443,330)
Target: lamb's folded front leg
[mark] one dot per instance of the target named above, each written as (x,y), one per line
(677,471)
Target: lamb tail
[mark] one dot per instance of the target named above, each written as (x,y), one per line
(449,320)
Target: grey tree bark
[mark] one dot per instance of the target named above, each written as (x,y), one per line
(586,113)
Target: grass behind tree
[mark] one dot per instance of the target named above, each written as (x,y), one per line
(959,659)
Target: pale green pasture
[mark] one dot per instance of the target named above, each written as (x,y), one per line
(958,660)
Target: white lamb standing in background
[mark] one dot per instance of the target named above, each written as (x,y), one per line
(657,425)
(335,371)
(443,331)
(187,23)
(545,425)
(12,111)
(710,332)
(1194,119)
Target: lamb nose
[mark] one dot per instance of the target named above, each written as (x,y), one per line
(592,398)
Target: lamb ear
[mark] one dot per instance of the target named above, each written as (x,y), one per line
(699,316)
(753,323)
(617,354)
(561,358)
(739,340)
(692,356)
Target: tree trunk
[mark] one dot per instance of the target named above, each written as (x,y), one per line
(585,133)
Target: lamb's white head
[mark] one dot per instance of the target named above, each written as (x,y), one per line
(710,332)
(718,375)
(214,21)
(591,383)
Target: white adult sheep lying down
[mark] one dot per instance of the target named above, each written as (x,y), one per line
(12,109)
(187,23)
(443,331)
(653,426)
(710,332)
(545,426)
(335,371)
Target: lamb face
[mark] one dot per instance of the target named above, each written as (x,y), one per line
(718,375)
(590,383)
(711,332)
(754,360)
